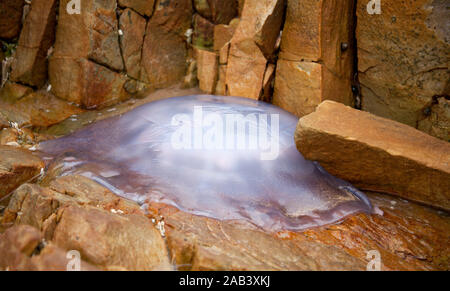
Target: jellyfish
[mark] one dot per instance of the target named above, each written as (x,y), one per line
(226,158)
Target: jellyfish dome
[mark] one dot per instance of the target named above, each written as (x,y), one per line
(226,158)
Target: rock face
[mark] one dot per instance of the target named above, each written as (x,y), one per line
(207,66)
(316,58)
(17,166)
(252,45)
(217,11)
(143,7)
(37,36)
(10,18)
(438,121)
(203,36)
(403,61)
(377,154)
(164,52)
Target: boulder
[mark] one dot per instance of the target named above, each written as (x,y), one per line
(203,36)
(132,26)
(12,92)
(10,18)
(207,70)
(252,45)
(164,52)
(217,11)
(403,57)
(377,154)
(143,7)
(37,36)
(17,166)
(222,35)
(316,59)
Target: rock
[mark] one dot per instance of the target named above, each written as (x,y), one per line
(190,80)
(38,109)
(164,52)
(207,70)
(37,36)
(143,7)
(203,36)
(92,85)
(217,11)
(12,92)
(224,54)
(21,251)
(3,122)
(313,66)
(75,213)
(252,44)
(221,89)
(222,35)
(403,60)
(92,35)
(17,166)
(133,29)
(269,77)
(437,122)
(377,154)
(10,18)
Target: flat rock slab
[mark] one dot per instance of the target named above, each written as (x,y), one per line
(17,166)
(377,154)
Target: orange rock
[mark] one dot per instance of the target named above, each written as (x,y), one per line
(316,58)
(37,36)
(377,154)
(207,70)
(222,35)
(403,61)
(143,7)
(252,44)
(217,11)
(221,88)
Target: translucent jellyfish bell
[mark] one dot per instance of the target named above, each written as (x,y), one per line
(226,158)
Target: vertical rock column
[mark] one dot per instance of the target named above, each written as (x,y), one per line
(403,58)
(316,59)
(252,46)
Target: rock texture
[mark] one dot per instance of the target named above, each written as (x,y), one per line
(143,7)
(17,166)
(37,36)
(217,11)
(316,58)
(403,57)
(252,45)
(10,18)
(207,66)
(377,154)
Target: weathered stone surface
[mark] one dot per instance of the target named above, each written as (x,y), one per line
(143,7)
(222,35)
(20,251)
(437,122)
(91,85)
(316,58)
(38,109)
(37,36)
(92,35)
(269,77)
(207,70)
(133,29)
(203,36)
(12,92)
(10,18)
(252,44)
(164,52)
(220,87)
(377,154)
(217,11)
(17,166)
(75,213)
(403,60)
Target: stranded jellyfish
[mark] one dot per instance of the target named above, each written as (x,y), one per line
(226,158)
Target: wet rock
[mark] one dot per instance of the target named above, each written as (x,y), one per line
(252,44)
(377,154)
(143,7)
(76,213)
(38,109)
(403,56)
(20,249)
(217,11)
(10,18)
(17,166)
(164,52)
(203,36)
(313,66)
(437,123)
(133,29)
(207,70)
(37,36)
